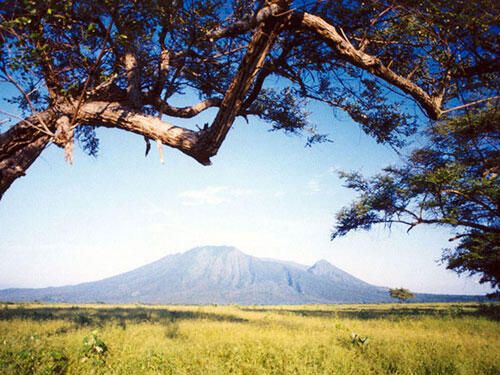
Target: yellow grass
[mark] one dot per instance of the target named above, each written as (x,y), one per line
(402,339)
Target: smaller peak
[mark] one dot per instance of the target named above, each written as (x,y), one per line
(323,267)
(322,263)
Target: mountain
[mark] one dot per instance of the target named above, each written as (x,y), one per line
(221,274)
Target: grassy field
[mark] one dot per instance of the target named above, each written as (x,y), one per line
(322,339)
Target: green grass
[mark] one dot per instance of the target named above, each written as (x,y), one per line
(310,339)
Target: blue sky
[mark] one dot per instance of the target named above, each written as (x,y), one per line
(265,193)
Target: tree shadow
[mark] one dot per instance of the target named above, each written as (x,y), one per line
(490,311)
(92,316)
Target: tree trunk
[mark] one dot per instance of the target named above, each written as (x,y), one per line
(252,63)
(19,148)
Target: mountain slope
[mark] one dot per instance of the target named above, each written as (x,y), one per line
(220,274)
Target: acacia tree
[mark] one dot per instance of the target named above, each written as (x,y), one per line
(82,64)
(401,294)
(453,182)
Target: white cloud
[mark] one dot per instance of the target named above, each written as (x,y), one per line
(212,195)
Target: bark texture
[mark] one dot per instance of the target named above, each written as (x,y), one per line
(19,148)
(119,115)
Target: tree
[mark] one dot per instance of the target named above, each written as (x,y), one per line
(78,65)
(451,182)
(401,294)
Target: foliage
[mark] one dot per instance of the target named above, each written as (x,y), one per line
(31,361)
(358,340)
(87,61)
(401,294)
(93,348)
(453,182)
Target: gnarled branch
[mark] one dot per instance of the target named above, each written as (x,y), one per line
(252,63)
(21,145)
(183,112)
(371,64)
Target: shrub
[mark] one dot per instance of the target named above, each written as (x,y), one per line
(359,341)
(93,348)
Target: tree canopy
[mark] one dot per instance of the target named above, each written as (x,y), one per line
(453,181)
(401,294)
(78,65)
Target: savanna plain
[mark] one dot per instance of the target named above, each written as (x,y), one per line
(311,339)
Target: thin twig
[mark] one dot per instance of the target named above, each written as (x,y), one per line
(50,134)
(92,70)
(33,109)
(346,38)
(104,84)
(471,104)
(364,41)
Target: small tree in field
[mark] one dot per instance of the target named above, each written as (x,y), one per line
(401,294)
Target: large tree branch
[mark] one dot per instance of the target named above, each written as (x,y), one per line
(183,112)
(133,72)
(464,223)
(252,63)
(204,144)
(346,51)
(266,70)
(163,68)
(460,223)
(371,64)
(118,115)
(245,25)
(22,144)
